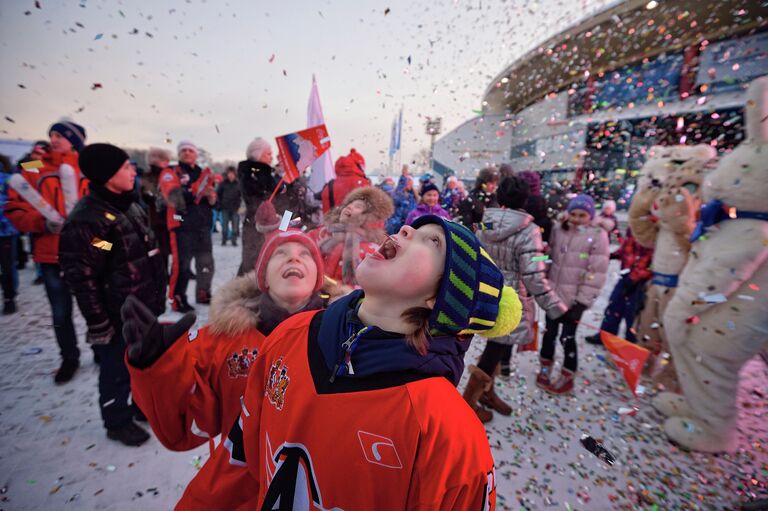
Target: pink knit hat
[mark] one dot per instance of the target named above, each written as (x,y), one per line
(277,238)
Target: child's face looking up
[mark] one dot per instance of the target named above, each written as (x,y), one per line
(407,267)
(353,209)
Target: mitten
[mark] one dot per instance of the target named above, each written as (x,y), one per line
(146,338)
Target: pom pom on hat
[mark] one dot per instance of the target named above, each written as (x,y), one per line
(510,313)
(266,218)
(472,297)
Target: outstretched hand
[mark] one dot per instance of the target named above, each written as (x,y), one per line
(146,338)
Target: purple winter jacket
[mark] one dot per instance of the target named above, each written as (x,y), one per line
(422,209)
(580,257)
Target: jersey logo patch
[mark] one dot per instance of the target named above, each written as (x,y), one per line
(291,479)
(240,363)
(277,384)
(379,450)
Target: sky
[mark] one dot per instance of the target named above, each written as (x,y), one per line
(220,73)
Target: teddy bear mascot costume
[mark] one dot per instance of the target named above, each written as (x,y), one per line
(662,216)
(718,318)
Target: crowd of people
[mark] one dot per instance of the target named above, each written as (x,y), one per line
(354,318)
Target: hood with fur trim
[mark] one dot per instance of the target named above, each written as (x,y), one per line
(235,307)
(380,205)
(239,306)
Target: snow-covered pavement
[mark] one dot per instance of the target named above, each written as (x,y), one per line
(55,455)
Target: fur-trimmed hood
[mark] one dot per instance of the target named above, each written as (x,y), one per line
(380,205)
(239,306)
(235,307)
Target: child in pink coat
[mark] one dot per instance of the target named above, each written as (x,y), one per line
(580,256)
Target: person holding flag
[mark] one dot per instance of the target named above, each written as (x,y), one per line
(189,191)
(37,204)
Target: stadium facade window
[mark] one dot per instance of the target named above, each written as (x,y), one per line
(726,65)
(523,150)
(639,83)
(623,145)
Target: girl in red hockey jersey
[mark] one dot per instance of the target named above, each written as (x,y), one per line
(356,407)
(189,386)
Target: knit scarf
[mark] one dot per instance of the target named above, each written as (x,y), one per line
(351,236)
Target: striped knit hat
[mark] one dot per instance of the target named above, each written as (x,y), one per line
(472,297)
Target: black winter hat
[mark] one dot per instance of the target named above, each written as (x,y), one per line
(513,192)
(99,162)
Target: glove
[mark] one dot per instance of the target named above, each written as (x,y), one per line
(53,226)
(146,338)
(574,313)
(101,333)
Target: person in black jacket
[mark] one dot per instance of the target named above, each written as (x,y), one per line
(157,160)
(257,182)
(229,201)
(537,205)
(482,196)
(107,251)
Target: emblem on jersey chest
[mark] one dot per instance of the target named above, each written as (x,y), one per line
(277,384)
(240,363)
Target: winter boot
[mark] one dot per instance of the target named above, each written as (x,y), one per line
(477,384)
(180,304)
(203,296)
(490,399)
(506,369)
(67,370)
(696,435)
(542,380)
(670,404)
(9,307)
(594,339)
(564,384)
(131,434)
(234,242)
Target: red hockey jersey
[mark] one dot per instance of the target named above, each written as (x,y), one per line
(192,392)
(379,443)
(194,389)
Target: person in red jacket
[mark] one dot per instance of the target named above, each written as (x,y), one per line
(350,174)
(191,195)
(356,407)
(67,139)
(629,292)
(193,389)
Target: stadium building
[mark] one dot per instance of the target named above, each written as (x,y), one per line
(595,97)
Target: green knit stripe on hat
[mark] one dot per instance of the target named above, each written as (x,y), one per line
(469,293)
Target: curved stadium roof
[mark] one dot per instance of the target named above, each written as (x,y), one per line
(617,36)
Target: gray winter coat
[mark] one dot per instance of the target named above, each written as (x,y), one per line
(514,242)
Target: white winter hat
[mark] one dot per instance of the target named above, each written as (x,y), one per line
(256,148)
(187,144)
(609,206)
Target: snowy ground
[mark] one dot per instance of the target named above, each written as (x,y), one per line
(54,453)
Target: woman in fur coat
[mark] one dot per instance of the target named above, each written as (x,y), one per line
(352,231)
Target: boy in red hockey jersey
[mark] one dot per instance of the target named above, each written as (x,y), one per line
(356,407)
(191,388)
